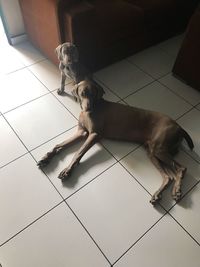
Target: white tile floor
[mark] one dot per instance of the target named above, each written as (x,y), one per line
(101,216)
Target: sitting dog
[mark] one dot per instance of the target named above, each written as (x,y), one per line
(69,65)
(160,135)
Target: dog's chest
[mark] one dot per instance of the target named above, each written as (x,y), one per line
(90,122)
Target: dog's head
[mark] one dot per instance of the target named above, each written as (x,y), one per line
(87,93)
(67,53)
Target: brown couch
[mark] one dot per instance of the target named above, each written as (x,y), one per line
(103,30)
(187,64)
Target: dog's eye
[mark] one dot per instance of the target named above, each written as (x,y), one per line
(83,94)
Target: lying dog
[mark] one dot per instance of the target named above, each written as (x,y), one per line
(69,65)
(99,118)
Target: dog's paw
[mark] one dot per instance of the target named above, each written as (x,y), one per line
(155,198)
(43,162)
(60,91)
(177,195)
(64,174)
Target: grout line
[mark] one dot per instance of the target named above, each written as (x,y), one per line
(154,78)
(28,102)
(107,87)
(33,158)
(15,133)
(90,181)
(21,68)
(51,92)
(118,161)
(197,107)
(54,137)
(140,238)
(36,62)
(171,90)
(184,114)
(135,178)
(13,160)
(139,89)
(37,219)
(190,155)
(64,106)
(87,232)
(29,151)
(183,228)
(183,196)
(48,178)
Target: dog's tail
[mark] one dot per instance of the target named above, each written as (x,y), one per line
(188,139)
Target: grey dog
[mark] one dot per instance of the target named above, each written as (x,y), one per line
(70,66)
(160,135)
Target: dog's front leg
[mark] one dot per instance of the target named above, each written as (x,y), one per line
(90,141)
(62,87)
(79,135)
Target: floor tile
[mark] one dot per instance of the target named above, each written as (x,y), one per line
(198,107)
(158,98)
(153,61)
(191,123)
(166,244)
(68,101)
(57,239)
(187,213)
(104,194)
(48,74)
(18,88)
(180,88)
(27,53)
(40,120)
(94,162)
(110,210)
(172,45)
(123,78)
(109,95)
(119,149)
(140,166)
(11,147)
(9,61)
(25,194)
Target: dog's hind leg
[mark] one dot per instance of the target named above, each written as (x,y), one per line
(166,178)
(79,135)
(177,170)
(176,190)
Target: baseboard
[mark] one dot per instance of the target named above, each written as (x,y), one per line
(18,39)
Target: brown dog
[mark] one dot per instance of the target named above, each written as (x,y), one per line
(99,118)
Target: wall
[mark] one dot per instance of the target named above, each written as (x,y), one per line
(12,17)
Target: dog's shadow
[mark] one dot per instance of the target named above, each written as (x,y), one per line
(96,158)
(65,94)
(188,187)
(190,179)
(192,154)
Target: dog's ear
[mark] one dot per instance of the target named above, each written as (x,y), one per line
(58,51)
(99,90)
(75,93)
